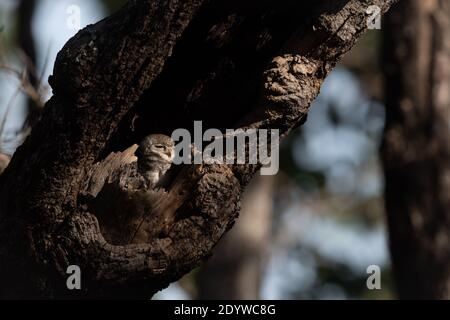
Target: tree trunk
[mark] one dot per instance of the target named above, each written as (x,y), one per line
(236,268)
(416,148)
(152,67)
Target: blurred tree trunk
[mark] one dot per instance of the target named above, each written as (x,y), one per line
(416,148)
(235,270)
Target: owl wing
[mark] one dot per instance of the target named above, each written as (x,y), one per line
(107,169)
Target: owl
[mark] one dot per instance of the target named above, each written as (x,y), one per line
(155,155)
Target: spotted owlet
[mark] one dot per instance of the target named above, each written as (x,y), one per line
(155,155)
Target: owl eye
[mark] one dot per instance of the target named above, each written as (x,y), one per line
(160,146)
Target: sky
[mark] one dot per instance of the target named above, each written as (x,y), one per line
(52,27)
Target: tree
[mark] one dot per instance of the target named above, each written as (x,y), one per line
(236,269)
(416,147)
(155,66)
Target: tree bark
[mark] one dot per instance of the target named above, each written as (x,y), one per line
(416,148)
(235,271)
(162,63)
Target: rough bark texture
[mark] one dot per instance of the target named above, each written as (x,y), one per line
(152,67)
(416,149)
(236,268)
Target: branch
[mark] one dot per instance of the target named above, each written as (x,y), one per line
(26,11)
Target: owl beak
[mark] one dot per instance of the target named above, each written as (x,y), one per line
(169,153)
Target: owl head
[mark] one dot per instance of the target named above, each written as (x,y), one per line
(156,148)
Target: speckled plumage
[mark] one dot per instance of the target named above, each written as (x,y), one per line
(155,155)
